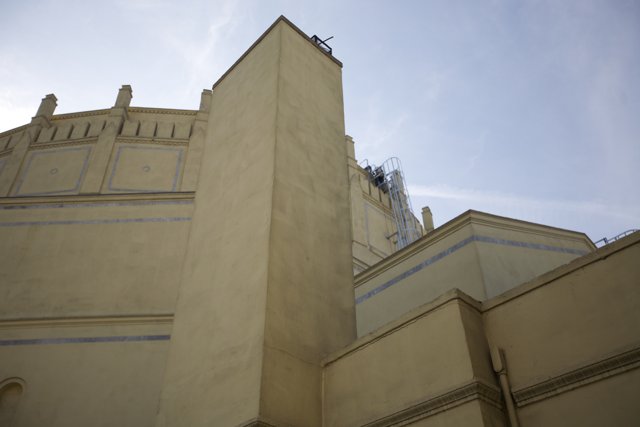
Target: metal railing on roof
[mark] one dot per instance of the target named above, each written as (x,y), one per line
(323,43)
(606,241)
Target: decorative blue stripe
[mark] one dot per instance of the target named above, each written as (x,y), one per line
(93,221)
(122,338)
(538,246)
(460,245)
(98,204)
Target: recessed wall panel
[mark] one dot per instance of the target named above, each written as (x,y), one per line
(55,171)
(138,168)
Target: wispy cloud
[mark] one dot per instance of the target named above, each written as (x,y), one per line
(199,43)
(210,53)
(497,201)
(16,101)
(13,111)
(137,5)
(382,130)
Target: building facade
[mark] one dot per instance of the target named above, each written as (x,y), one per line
(165,267)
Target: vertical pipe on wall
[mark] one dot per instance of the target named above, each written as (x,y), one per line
(500,368)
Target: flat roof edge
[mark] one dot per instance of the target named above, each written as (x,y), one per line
(453,225)
(281,18)
(561,271)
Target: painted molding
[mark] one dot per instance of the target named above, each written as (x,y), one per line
(457,246)
(65,205)
(83,340)
(571,380)
(84,321)
(81,114)
(180,142)
(63,143)
(151,110)
(95,221)
(561,271)
(468,218)
(475,390)
(79,199)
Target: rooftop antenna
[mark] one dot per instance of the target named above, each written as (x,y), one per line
(322,43)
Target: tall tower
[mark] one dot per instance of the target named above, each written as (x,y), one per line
(261,299)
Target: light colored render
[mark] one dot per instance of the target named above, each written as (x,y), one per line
(164,267)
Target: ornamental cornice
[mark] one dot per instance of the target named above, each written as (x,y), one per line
(587,374)
(80,114)
(475,390)
(45,145)
(151,110)
(512,224)
(107,320)
(153,141)
(88,199)
(14,130)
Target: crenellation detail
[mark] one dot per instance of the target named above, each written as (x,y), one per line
(46,135)
(80,130)
(165,130)
(96,126)
(116,139)
(14,139)
(148,129)
(130,128)
(182,131)
(63,132)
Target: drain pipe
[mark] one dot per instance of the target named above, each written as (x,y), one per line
(500,368)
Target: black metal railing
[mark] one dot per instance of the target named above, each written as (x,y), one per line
(322,43)
(606,241)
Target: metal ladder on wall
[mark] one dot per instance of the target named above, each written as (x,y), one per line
(396,186)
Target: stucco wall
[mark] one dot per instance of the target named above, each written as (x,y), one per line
(480,254)
(99,372)
(89,257)
(570,339)
(432,360)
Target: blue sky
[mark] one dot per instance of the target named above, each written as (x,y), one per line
(528,109)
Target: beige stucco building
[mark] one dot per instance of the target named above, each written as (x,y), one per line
(167,267)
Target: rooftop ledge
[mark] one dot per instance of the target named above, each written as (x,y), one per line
(281,18)
(454,225)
